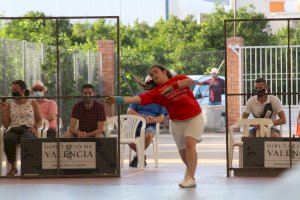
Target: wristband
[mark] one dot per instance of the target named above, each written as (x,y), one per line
(175,86)
(119,100)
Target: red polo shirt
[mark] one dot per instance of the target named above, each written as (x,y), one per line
(88,118)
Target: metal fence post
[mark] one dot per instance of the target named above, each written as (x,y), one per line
(88,66)
(4,68)
(24,60)
(75,71)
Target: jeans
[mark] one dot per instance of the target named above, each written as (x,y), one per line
(12,138)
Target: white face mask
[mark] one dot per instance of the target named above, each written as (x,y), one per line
(38,94)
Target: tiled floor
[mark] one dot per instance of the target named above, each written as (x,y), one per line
(151,183)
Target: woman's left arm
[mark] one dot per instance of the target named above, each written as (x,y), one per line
(185,83)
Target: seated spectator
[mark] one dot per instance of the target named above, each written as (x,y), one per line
(47,107)
(263,105)
(153,113)
(22,118)
(88,115)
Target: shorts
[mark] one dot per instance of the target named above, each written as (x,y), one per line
(149,128)
(193,127)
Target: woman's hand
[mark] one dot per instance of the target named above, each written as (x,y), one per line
(109,100)
(114,100)
(34,131)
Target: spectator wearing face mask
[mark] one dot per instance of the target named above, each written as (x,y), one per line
(48,108)
(88,116)
(216,87)
(263,105)
(21,117)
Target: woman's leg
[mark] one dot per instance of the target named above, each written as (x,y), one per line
(11,140)
(191,155)
(182,154)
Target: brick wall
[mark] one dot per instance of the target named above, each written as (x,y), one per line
(234,80)
(107,71)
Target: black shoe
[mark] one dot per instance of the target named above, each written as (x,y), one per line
(134,162)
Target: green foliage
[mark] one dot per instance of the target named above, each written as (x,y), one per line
(254,33)
(178,44)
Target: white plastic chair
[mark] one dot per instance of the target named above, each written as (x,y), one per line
(245,124)
(154,144)
(60,127)
(42,131)
(128,126)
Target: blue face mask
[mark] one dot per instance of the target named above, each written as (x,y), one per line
(38,94)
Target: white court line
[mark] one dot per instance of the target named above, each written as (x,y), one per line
(178,161)
(200,144)
(198,150)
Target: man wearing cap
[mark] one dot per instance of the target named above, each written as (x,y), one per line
(153,113)
(216,87)
(48,108)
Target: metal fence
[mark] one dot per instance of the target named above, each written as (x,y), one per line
(271,62)
(193,63)
(27,61)
(63,69)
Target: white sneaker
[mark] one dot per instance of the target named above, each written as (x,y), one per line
(188,183)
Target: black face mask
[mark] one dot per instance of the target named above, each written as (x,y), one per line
(15,94)
(260,93)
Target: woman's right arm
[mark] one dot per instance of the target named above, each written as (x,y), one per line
(5,114)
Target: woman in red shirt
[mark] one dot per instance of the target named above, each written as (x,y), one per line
(187,122)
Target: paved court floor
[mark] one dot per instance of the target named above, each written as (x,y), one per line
(150,183)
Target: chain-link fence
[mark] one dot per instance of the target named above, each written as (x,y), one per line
(31,62)
(28,61)
(63,68)
(193,63)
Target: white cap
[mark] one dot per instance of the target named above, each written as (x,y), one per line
(214,71)
(39,83)
(148,78)
(173,72)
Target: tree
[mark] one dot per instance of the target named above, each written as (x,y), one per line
(211,35)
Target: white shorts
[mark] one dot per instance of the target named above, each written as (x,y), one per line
(192,127)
